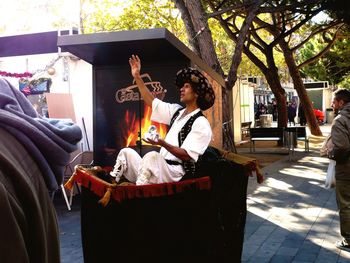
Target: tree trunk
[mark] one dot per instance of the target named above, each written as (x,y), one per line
(274,82)
(191,33)
(273,79)
(300,88)
(227,112)
(204,38)
(227,103)
(194,10)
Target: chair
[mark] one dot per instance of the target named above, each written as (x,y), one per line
(302,136)
(80,158)
(245,129)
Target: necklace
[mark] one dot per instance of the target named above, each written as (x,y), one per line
(184,114)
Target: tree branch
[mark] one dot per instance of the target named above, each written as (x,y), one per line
(264,24)
(258,38)
(312,34)
(266,9)
(225,10)
(291,7)
(237,56)
(246,51)
(320,54)
(295,28)
(237,30)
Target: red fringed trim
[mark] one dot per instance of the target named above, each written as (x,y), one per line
(157,190)
(120,193)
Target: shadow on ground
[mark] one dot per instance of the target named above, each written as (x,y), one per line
(292,217)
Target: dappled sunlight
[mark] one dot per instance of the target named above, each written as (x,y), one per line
(315,162)
(309,169)
(297,173)
(264,189)
(313,159)
(278,184)
(292,208)
(293,211)
(299,182)
(314,182)
(298,222)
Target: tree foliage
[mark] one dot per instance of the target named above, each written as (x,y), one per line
(289,27)
(338,9)
(262,29)
(109,15)
(334,66)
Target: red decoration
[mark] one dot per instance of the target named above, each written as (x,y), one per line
(121,193)
(16,75)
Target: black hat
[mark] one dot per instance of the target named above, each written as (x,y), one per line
(199,84)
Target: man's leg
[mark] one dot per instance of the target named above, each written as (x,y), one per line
(127,164)
(154,170)
(343,200)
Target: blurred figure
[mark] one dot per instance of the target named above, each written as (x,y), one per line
(301,115)
(269,108)
(29,231)
(33,152)
(292,112)
(274,114)
(256,110)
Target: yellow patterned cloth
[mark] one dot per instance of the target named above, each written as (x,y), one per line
(250,165)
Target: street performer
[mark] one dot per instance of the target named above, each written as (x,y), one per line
(187,139)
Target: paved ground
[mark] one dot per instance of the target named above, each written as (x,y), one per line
(69,225)
(291,217)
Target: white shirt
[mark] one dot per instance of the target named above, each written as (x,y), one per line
(196,141)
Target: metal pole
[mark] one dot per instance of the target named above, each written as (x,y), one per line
(85,133)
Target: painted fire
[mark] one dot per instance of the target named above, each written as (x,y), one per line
(133,125)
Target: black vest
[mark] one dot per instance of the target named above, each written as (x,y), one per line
(189,166)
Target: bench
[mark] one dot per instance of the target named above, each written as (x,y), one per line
(265,134)
(245,128)
(299,135)
(302,136)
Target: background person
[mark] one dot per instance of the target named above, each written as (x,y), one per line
(340,135)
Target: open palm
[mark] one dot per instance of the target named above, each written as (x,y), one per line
(135,65)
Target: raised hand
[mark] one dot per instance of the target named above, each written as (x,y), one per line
(135,65)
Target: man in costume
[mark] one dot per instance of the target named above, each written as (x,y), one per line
(188,137)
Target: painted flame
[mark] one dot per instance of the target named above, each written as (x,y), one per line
(133,125)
